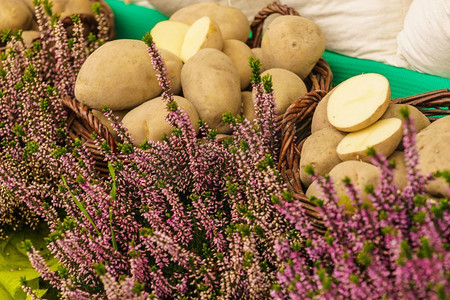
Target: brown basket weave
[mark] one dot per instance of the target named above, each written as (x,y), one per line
(81,121)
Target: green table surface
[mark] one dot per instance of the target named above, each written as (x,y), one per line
(133,21)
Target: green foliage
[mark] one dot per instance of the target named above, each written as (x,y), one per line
(15,267)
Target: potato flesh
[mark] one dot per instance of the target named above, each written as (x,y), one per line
(384,136)
(204,33)
(169,35)
(358,102)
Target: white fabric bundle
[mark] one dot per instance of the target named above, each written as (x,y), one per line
(424,42)
(359,28)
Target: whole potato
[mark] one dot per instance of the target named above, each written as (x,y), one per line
(104,120)
(257,54)
(434,155)
(147,122)
(231,20)
(361,174)
(120,74)
(420,120)
(400,173)
(248,108)
(293,43)
(239,53)
(287,87)
(319,150)
(320,118)
(211,82)
(15,15)
(439,126)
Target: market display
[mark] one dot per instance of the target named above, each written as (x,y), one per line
(212,160)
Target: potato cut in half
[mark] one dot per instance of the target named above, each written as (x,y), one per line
(358,102)
(203,33)
(169,35)
(384,136)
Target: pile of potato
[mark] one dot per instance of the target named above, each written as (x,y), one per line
(204,50)
(356,115)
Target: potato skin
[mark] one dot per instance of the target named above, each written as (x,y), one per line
(231,20)
(420,120)
(120,74)
(320,118)
(360,173)
(15,15)
(147,121)
(104,120)
(248,106)
(211,82)
(293,43)
(400,173)
(319,150)
(287,87)
(434,155)
(239,53)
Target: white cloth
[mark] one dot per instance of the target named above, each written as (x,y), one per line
(424,42)
(359,28)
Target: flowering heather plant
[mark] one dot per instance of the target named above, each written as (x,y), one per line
(192,217)
(33,121)
(398,248)
(187,217)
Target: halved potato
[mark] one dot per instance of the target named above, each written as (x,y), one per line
(384,136)
(358,102)
(169,35)
(203,33)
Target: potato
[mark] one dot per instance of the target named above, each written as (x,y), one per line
(15,15)
(319,150)
(358,102)
(287,87)
(420,120)
(239,53)
(104,120)
(320,118)
(361,174)
(169,35)
(434,155)
(439,126)
(29,36)
(231,20)
(257,54)
(120,74)
(384,136)
(211,82)
(293,43)
(203,33)
(147,121)
(173,67)
(400,173)
(248,106)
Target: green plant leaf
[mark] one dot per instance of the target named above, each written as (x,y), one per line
(14,264)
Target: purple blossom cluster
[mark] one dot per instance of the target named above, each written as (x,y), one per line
(397,247)
(33,122)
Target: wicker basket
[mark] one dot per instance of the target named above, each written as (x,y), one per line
(81,121)
(296,127)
